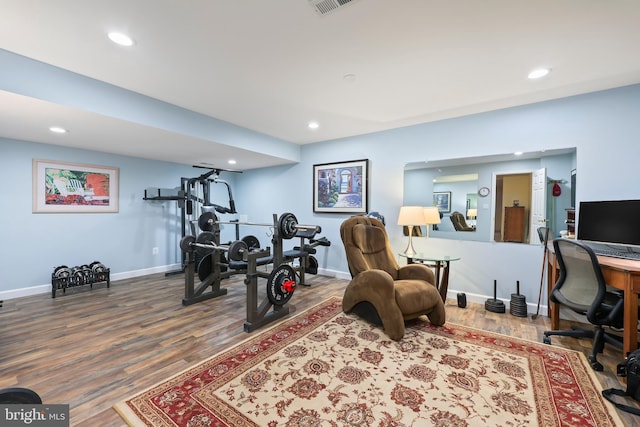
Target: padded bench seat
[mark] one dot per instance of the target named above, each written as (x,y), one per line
(294,253)
(242,265)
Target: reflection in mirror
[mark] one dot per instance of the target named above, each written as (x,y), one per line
(416,232)
(453,195)
(456,189)
(472,208)
(511,219)
(453,186)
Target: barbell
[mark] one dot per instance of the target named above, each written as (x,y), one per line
(205,244)
(287,224)
(281,282)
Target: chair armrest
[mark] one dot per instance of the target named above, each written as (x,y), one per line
(418,272)
(378,281)
(376,287)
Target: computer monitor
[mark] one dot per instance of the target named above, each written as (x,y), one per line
(610,222)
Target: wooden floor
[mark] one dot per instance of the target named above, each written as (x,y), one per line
(94,347)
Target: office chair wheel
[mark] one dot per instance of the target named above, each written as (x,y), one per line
(546,339)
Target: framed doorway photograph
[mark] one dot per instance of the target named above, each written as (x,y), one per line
(442,199)
(341,187)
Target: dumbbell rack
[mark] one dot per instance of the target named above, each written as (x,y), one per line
(77,276)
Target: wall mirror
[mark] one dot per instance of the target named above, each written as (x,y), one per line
(482,198)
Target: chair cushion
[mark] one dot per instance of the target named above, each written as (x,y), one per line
(415,297)
(370,240)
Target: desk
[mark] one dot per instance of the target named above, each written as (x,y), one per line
(619,273)
(439,263)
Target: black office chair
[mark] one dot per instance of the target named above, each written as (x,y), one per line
(581,287)
(18,395)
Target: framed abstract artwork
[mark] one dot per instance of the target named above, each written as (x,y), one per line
(73,187)
(341,187)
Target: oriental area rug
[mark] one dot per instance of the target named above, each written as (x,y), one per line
(326,368)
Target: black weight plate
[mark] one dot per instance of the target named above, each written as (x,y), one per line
(186,243)
(287,225)
(313,265)
(205,267)
(77,275)
(97,267)
(206,220)
(223,262)
(205,238)
(62,271)
(281,284)
(237,250)
(252,242)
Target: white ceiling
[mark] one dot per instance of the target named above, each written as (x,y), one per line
(273,65)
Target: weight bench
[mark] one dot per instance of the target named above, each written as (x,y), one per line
(242,265)
(304,252)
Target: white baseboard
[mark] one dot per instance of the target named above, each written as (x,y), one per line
(334,273)
(25,292)
(43,289)
(145,271)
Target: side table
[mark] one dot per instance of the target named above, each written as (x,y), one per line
(441,263)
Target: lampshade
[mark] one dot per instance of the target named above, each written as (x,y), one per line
(431,215)
(411,215)
(472,213)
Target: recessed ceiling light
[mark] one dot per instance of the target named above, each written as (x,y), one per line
(539,72)
(120,38)
(518,153)
(314,125)
(57,129)
(231,162)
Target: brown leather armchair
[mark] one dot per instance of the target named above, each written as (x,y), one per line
(381,291)
(459,222)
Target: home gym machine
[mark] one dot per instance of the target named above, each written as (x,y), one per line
(194,197)
(244,257)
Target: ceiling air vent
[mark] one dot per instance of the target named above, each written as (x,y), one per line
(322,7)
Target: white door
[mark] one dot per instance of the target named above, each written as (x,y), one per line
(538,204)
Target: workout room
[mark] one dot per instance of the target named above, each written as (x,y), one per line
(170,199)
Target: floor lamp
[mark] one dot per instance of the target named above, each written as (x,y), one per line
(411,216)
(431,217)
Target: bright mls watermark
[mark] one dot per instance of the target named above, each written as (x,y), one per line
(34,415)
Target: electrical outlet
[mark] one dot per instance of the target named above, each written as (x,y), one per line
(155,251)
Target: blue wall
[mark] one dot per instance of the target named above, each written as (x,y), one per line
(603,126)
(35,243)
